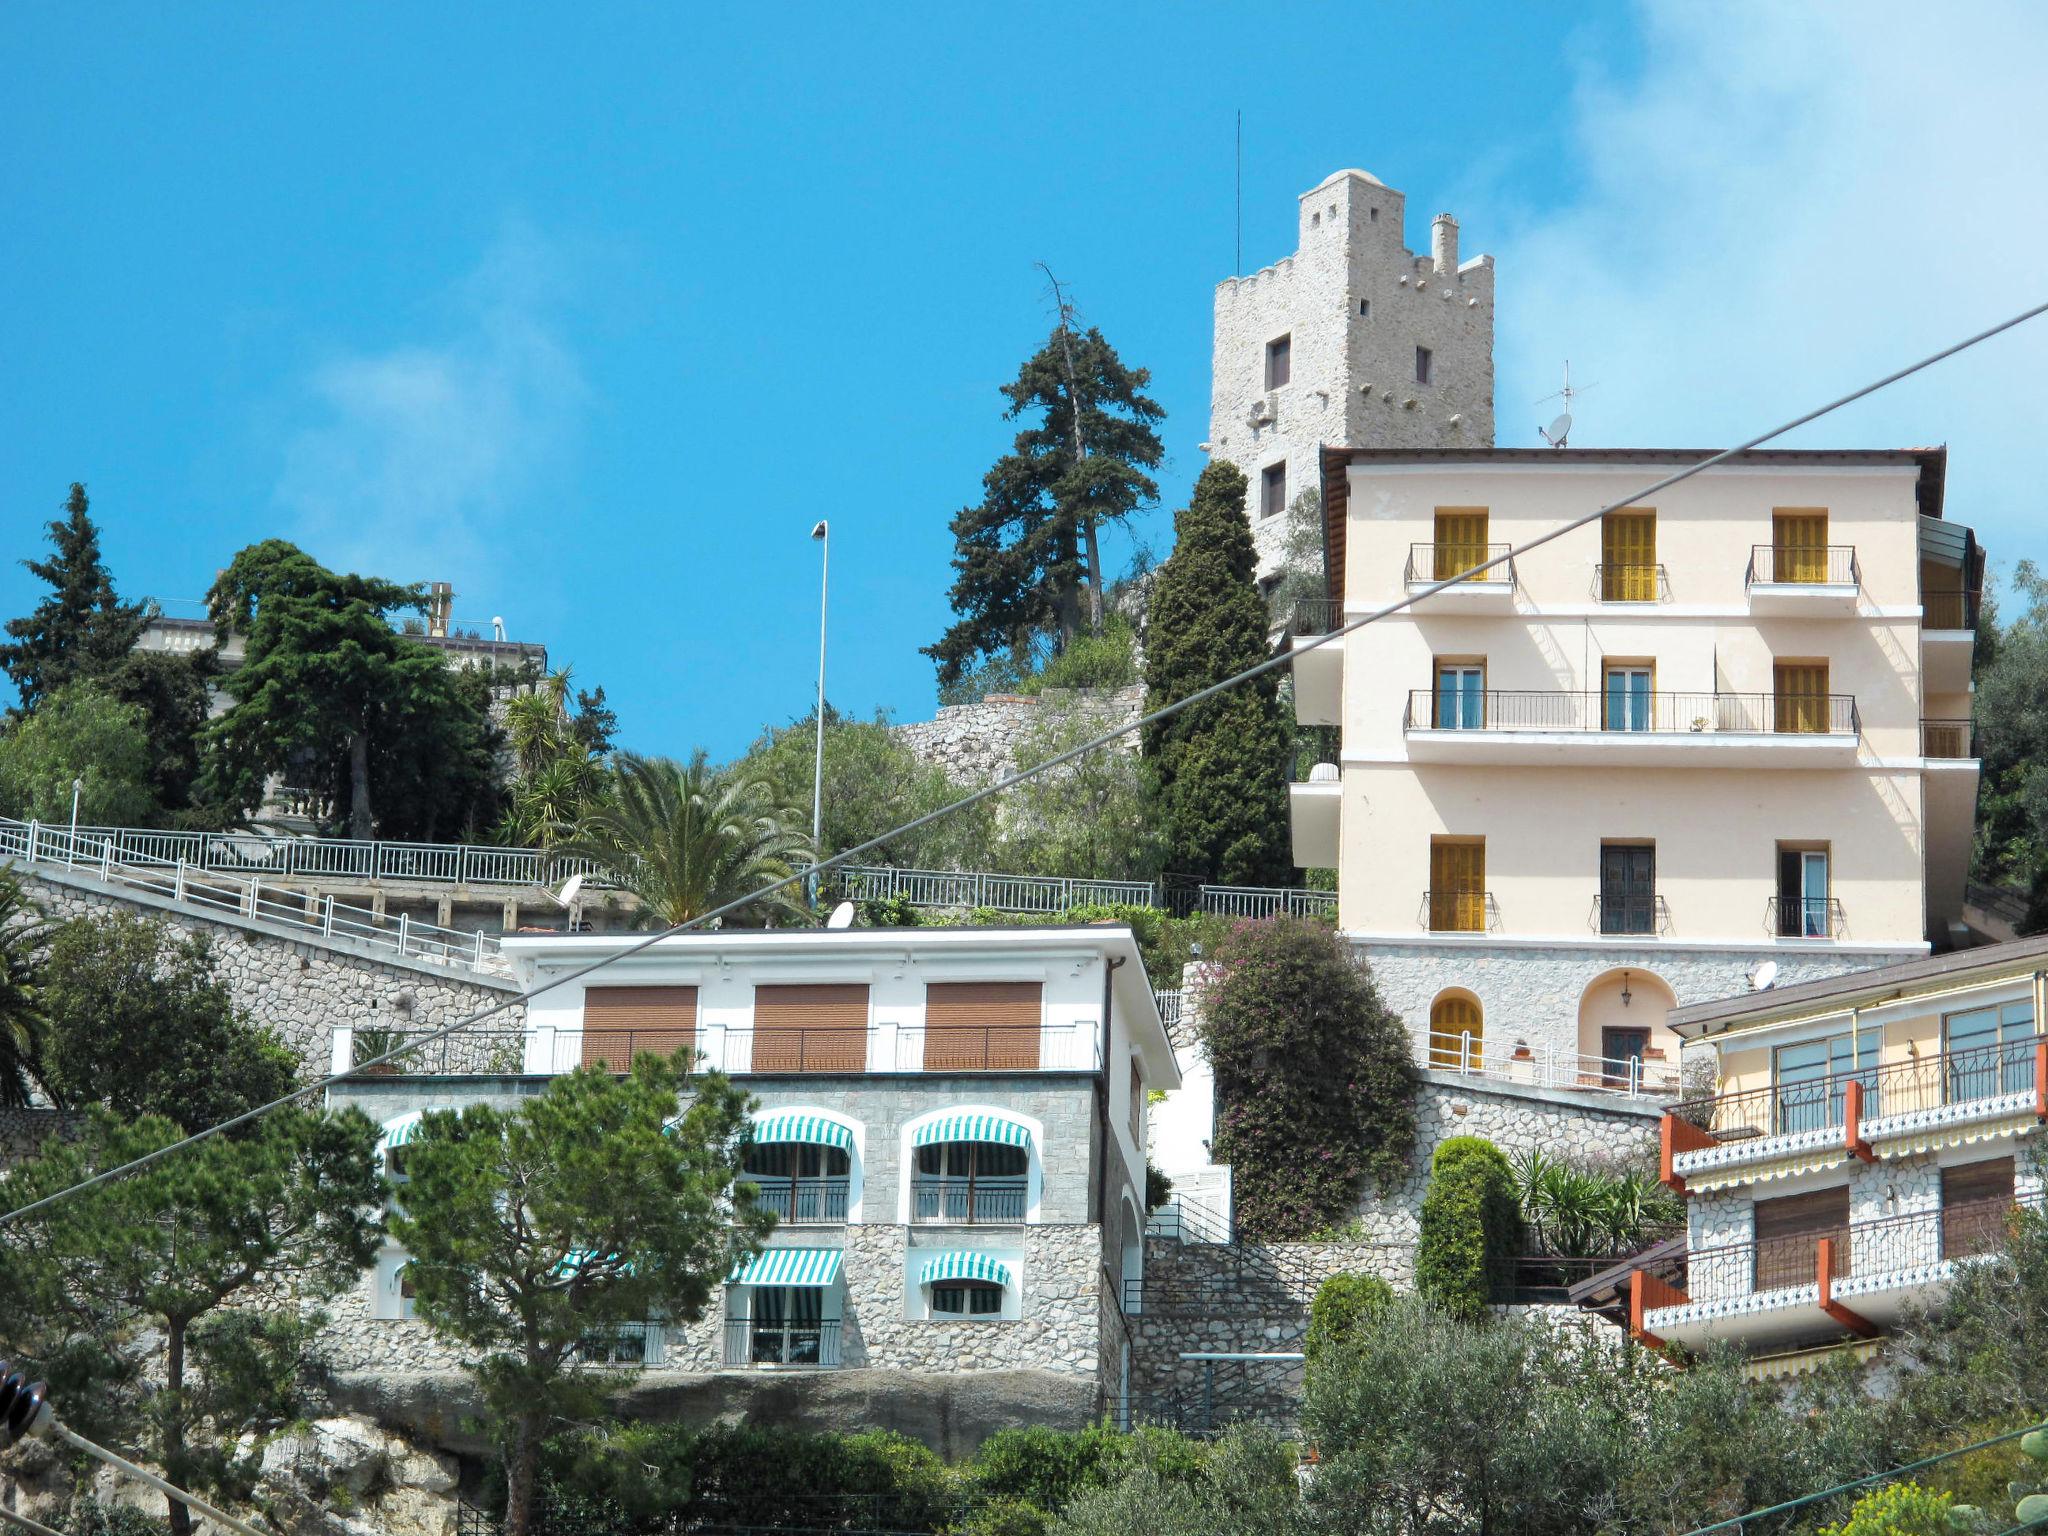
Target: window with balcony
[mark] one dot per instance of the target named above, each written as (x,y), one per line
(1808,1080)
(1805,908)
(1989,1051)
(788,1327)
(1273,489)
(1628,557)
(1628,888)
(817,1028)
(969,1181)
(1457,885)
(801,1182)
(977,1026)
(621,1022)
(1460,696)
(1279,361)
(1456,1027)
(1626,691)
(1788,1232)
(1799,544)
(1976,1201)
(1800,696)
(1460,540)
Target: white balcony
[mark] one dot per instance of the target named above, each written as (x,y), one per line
(1315,813)
(1672,730)
(1802,583)
(1492,591)
(1318,682)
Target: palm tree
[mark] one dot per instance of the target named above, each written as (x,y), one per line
(686,839)
(22,931)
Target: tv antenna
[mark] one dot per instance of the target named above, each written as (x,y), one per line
(1560,429)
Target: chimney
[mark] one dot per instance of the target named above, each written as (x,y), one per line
(440,607)
(1443,243)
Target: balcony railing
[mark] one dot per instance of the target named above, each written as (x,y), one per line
(1459,912)
(1630,914)
(999,892)
(1618,714)
(1267,901)
(468,1052)
(1315,615)
(1805,917)
(1948,608)
(1440,562)
(975,1201)
(1614,583)
(1820,1103)
(1787,565)
(801,1202)
(1860,1250)
(749,1341)
(1948,738)
(622,1344)
(1543,1066)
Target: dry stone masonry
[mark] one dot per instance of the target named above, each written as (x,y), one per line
(976,743)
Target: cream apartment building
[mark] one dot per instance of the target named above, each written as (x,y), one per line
(1722,730)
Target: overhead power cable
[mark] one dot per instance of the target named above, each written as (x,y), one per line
(1164,712)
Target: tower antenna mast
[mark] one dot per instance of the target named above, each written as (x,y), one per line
(1560,429)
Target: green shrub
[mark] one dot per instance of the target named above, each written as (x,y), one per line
(1004,1517)
(1105,659)
(92,1518)
(1470,1226)
(1044,1467)
(1897,1509)
(1345,1306)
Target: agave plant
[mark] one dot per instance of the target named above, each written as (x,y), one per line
(686,839)
(1578,1211)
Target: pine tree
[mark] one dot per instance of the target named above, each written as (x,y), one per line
(1024,554)
(1220,765)
(81,630)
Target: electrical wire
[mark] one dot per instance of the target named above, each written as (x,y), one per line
(989,791)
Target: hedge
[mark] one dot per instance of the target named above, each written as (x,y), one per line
(1345,1306)
(1471,1226)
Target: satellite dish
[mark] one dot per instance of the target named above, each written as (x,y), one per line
(842,916)
(1558,430)
(1761,978)
(571,889)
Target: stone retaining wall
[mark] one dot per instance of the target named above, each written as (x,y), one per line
(978,742)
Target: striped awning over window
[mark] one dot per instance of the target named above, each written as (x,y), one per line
(402,1130)
(789,1266)
(794,1125)
(963,1266)
(971,1127)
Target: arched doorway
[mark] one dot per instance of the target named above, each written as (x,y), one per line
(1456,1027)
(1623,1039)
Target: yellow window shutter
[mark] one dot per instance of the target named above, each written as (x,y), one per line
(1799,543)
(1460,540)
(1628,557)
(1802,701)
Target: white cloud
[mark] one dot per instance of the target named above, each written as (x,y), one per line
(1786,201)
(416,457)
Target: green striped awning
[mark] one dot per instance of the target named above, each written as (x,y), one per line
(972,1127)
(963,1266)
(795,1125)
(402,1130)
(789,1266)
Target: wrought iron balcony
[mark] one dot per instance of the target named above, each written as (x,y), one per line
(1948,608)
(1459,912)
(1630,914)
(761,1341)
(1619,714)
(801,1201)
(1315,615)
(1615,582)
(1948,738)
(1434,562)
(1805,917)
(1831,565)
(998,1199)
(1544,1066)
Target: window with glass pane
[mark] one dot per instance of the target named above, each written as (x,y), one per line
(1628,888)
(1460,541)
(1627,703)
(1802,696)
(1810,1078)
(1799,546)
(1460,696)
(1628,557)
(969,1181)
(788,1324)
(1803,894)
(967,1298)
(1989,1051)
(801,1181)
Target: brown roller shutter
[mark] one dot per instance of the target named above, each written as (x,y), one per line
(811,1029)
(1788,1231)
(1976,1201)
(621,1022)
(972,1026)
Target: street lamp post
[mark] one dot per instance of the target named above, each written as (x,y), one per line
(824,537)
(77,789)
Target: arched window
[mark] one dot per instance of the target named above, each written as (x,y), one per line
(969,1181)
(801,1181)
(966,1284)
(1455,1030)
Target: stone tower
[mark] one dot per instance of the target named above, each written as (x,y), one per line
(1353,341)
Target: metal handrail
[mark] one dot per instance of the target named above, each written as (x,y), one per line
(1659,713)
(1431,561)
(971,1200)
(756,1342)
(1267,901)
(1805,917)
(1544,1066)
(998,892)
(179,882)
(1073,1046)
(1948,608)
(1630,914)
(1315,615)
(1948,738)
(1793,566)
(1630,574)
(1488,908)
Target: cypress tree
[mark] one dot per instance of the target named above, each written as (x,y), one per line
(81,630)
(1221,764)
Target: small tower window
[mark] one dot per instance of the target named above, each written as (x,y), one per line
(1273,489)
(1279,361)
(1422,360)
(1365,309)
(1375,215)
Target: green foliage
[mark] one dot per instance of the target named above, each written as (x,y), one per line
(1582,1210)
(872,783)
(1243,1486)
(1314,1076)
(1026,556)
(1165,943)
(1101,658)
(1896,1509)
(139,1022)
(168,1248)
(2012,745)
(1345,1306)
(24,1017)
(1004,1517)
(89,1517)
(81,630)
(627,1212)
(1302,562)
(558,760)
(174,695)
(78,733)
(401,738)
(1471,1224)
(1220,765)
(1004,673)
(1096,816)
(1158,1188)
(686,839)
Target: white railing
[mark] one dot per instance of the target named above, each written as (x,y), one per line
(1267,901)
(998,892)
(197,889)
(1543,1066)
(327,858)
(1069,1047)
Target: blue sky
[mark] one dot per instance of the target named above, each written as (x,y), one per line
(593,311)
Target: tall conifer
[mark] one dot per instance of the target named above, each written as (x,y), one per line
(81,630)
